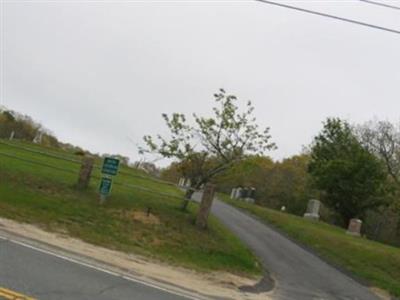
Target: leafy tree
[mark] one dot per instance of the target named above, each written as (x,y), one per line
(351,178)
(213,144)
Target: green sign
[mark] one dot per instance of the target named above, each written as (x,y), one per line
(110,166)
(105,186)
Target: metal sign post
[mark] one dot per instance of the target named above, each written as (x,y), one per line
(109,169)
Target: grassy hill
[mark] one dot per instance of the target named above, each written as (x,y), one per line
(374,262)
(37,186)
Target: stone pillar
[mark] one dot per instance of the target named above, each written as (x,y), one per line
(354,227)
(85,172)
(313,210)
(205,205)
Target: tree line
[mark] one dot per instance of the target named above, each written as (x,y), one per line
(14,125)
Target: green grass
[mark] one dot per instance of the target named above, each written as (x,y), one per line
(40,195)
(377,263)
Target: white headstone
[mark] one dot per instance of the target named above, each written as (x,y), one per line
(233,193)
(188,183)
(238,193)
(313,210)
(12,135)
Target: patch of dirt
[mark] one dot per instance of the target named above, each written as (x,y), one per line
(144,218)
(381,293)
(221,285)
(135,215)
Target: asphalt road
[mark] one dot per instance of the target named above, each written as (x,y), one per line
(47,277)
(298,274)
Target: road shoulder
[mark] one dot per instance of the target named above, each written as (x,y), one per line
(158,275)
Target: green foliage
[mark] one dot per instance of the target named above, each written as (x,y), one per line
(277,184)
(213,144)
(352,179)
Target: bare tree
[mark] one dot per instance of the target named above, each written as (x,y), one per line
(383,139)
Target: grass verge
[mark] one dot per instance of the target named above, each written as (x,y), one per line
(34,193)
(374,262)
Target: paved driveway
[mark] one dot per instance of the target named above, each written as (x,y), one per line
(299,275)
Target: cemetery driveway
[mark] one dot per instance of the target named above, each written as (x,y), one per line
(298,274)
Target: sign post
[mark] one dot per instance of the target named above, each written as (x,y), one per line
(109,169)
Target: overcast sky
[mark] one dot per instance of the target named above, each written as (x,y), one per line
(100,73)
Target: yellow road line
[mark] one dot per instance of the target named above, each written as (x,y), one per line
(11,295)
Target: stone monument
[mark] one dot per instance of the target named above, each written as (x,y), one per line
(233,193)
(238,193)
(354,227)
(313,210)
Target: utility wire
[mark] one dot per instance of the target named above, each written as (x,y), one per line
(381,4)
(313,12)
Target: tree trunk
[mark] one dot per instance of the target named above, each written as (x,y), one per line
(205,206)
(188,197)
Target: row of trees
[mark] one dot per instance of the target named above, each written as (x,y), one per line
(18,126)
(353,170)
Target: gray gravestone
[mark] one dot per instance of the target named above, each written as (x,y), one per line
(238,193)
(354,227)
(313,210)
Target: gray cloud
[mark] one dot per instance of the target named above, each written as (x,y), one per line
(99,74)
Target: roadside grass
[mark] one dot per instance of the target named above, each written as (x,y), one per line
(376,263)
(37,194)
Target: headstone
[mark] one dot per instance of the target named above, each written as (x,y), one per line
(181,182)
(85,172)
(233,193)
(283,208)
(12,135)
(313,210)
(354,227)
(205,206)
(188,183)
(238,193)
(38,138)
